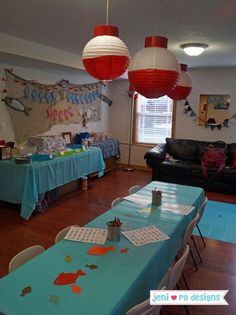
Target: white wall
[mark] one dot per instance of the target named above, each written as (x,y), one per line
(48,74)
(208,81)
(205,80)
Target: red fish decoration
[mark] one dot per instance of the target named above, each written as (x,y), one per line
(68,278)
(100,250)
(124,250)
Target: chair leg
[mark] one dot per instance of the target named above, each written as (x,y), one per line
(195,245)
(185,307)
(194,261)
(185,281)
(202,238)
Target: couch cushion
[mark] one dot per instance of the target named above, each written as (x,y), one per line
(182,149)
(173,169)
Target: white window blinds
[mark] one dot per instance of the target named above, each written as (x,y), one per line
(153,119)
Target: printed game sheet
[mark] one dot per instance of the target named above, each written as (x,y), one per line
(87,235)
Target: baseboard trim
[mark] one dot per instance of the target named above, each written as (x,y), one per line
(136,167)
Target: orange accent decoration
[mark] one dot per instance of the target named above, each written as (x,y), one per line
(124,250)
(75,289)
(100,250)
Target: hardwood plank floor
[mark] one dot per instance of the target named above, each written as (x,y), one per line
(218,270)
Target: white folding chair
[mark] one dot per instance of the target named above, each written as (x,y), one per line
(24,256)
(116,201)
(176,271)
(134,189)
(63,233)
(144,308)
(188,235)
(201,211)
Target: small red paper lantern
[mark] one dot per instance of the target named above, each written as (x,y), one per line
(154,70)
(184,85)
(105,57)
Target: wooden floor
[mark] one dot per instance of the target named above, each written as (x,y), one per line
(218,270)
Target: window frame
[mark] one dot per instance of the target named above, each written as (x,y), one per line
(135,122)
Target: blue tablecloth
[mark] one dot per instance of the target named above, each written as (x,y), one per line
(121,279)
(22,183)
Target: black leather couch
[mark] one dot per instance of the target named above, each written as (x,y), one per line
(186,167)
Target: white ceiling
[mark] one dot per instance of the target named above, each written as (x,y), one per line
(68,24)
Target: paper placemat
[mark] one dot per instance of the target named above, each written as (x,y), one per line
(139,199)
(87,235)
(146,235)
(177,208)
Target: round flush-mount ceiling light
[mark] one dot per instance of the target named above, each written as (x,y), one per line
(194,49)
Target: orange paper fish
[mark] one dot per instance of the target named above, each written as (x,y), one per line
(100,250)
(75,289)
(68,278)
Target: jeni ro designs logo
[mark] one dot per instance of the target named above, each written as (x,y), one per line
(188,297)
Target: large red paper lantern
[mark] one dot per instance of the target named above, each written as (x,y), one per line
(184,85)
(154,70)
(105,57)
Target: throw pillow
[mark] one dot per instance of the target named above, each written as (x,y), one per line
(234,159)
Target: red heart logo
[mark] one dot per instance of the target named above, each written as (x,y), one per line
(174,297)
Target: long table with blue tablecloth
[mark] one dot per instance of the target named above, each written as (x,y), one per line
(22,183)
(117,280)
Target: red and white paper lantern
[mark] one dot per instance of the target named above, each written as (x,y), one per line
(154,70)
(105,57)
(184,85)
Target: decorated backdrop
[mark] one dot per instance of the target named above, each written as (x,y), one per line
(35,107)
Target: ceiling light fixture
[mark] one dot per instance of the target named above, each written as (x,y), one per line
(194,49)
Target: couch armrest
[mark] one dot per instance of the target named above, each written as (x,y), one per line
(156,155)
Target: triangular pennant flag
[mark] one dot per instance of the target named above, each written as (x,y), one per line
(219,126)
(188,109)
(186,103)
(212,127)
(192,114)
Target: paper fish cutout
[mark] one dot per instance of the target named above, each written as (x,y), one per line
(25,291)
(54,299)
(16,104)
(92,266)
(100,250)
(68,259)
(68,278)
(75,289)
(124,250)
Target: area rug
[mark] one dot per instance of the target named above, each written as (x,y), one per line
(219,222)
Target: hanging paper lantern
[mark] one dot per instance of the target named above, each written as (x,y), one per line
(154,70)
(184,85)
(105,57)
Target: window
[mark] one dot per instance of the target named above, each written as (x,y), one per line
(153,119)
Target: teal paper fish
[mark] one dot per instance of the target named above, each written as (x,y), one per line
(54,299)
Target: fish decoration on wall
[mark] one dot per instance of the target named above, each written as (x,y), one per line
(17,105)
(35,107)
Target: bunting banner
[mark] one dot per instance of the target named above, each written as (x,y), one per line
(189,111)
(35,107)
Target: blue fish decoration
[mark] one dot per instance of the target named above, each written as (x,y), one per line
(34,95)
(86,98)
(82,99)
(77,99)
(41,96)
(69,97)
(48,97)
(54,96)
(73,98)
(26,92)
